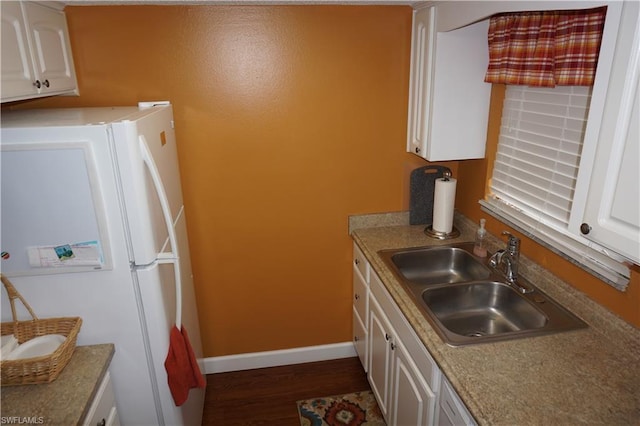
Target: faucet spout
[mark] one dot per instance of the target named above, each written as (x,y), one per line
(511,257)
(510,268)
(507,262)
(504,262)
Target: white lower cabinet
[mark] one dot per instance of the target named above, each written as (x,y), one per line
(413,400)
(402,374)
(406,381)
(102,411)
(360,304)
(380,363)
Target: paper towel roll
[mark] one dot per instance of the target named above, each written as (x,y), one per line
(443,201)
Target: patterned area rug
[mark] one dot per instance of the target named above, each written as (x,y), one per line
(352,409)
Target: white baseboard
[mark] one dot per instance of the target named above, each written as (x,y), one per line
(221,364)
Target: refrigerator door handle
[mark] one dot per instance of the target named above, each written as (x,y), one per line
(173,256)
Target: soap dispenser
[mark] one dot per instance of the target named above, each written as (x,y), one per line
(479,247)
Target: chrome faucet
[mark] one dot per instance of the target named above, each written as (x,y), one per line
(507,261)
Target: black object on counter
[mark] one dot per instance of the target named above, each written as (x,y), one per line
(422,187)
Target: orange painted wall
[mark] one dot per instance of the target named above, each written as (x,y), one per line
(289,119)
(473,177)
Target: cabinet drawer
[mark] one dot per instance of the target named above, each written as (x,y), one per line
(360,297)
(360,339)
(452,410)
(103,408)
(360,263)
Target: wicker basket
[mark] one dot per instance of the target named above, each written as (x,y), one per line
(42,369)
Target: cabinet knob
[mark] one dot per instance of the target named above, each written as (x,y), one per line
(417,150)
(356,338)
(393,346)
(45,83)
(585,228)
(357,297)
(102,422)
(387,337)
(357,261)
(37,84)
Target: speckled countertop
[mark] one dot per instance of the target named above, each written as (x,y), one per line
(588,376)
(64,401)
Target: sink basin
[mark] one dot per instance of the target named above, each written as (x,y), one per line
(436,265)
(467,302)
(482,309)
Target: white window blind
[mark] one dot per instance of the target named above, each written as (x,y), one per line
(535,171)
(539,149)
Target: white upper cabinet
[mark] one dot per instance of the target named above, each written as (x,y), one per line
(448,98)
(36,53)
(422,49)
(17,69)
(607,198)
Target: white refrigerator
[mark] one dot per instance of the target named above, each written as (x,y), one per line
(93,225)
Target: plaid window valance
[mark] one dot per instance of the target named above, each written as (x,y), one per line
(545,48)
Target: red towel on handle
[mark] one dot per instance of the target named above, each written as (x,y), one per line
(183,372)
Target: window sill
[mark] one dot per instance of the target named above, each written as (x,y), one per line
(609,270)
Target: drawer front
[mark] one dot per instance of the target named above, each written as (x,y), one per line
(360,339)
(452,410)
(360,263)
(102,410)
(360,297)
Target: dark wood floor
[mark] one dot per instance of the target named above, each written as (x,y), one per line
(268,396)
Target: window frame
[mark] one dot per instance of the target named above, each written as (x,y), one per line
(568,243)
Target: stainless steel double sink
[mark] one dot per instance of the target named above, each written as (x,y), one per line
(469,302)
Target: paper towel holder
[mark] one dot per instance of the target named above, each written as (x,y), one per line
(438,235)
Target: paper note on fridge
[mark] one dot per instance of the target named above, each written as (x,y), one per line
(63,255)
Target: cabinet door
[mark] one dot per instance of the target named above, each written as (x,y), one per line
(17,73)
(612,209)
(448,98)
(380,367)
(422,49)
(413,401)
(460,99)
(360,316)
(52,58)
